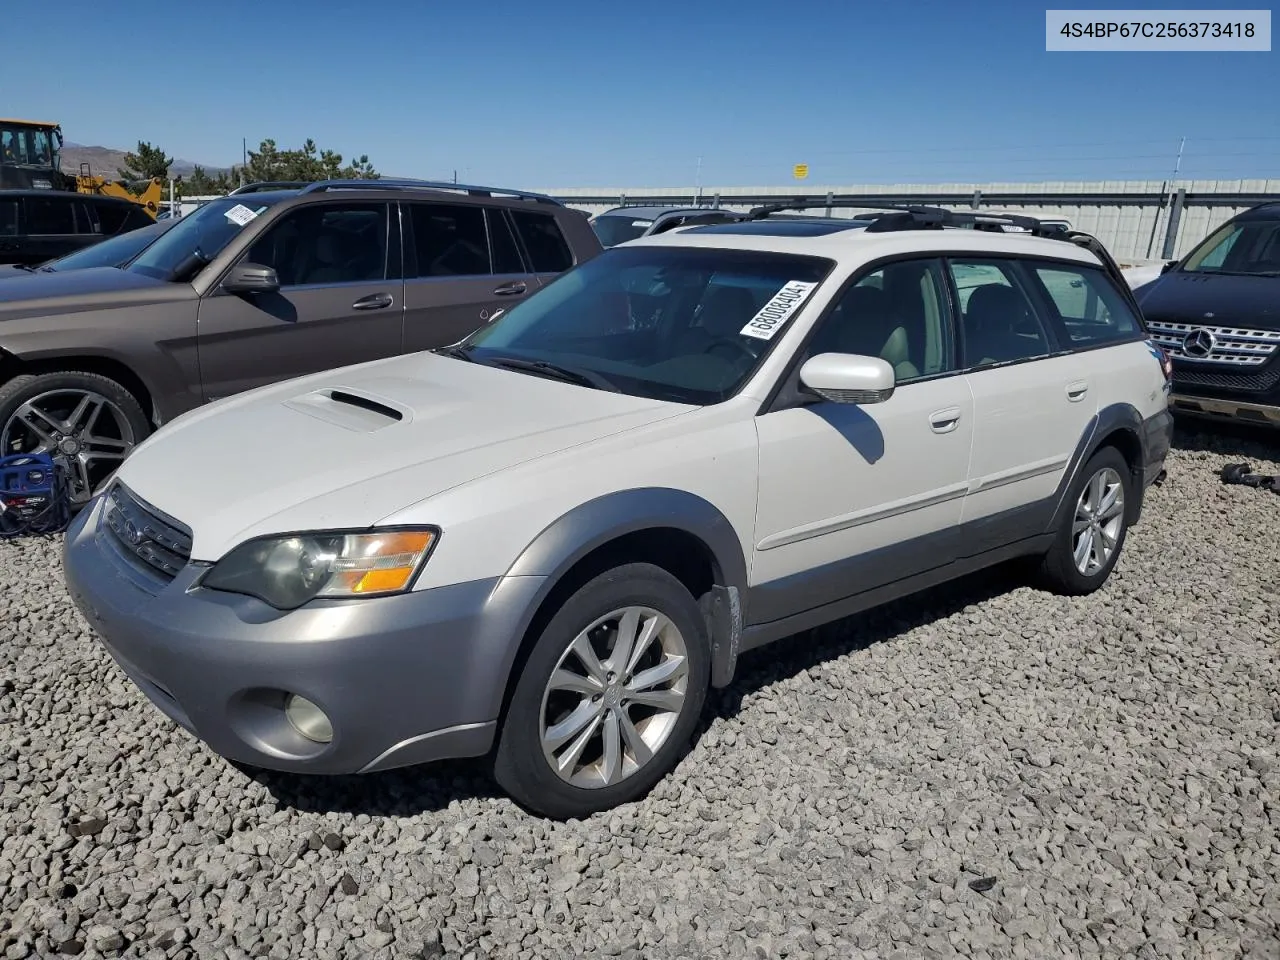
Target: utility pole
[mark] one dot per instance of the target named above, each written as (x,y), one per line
(1165,190)
(697,184)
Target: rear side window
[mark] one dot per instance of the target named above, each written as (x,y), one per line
(50,216)
(548,251)
(1000,323)
(506,255)
(1089,307)
(8,218)
(450,240)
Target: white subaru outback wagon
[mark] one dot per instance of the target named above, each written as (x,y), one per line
(546,542)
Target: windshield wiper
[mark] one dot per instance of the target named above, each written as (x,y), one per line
(25,266)
(583,378)
(455,351)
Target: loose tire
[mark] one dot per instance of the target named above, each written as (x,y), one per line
(87,421)
(1093,528)
(609,696)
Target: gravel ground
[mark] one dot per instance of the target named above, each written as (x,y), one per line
(986,771)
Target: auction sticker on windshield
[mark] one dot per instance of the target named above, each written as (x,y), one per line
(240,214)
(774,314)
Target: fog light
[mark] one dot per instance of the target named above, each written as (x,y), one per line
(308,719)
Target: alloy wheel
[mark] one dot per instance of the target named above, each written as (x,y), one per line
(1099,521)
(83,430)
(614,697)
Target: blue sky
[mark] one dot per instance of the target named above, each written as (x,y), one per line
(573,93)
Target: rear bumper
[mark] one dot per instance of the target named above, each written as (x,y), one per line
(403,679)
(1245,411)
(1157,438)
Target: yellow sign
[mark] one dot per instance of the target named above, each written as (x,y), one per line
(801,171)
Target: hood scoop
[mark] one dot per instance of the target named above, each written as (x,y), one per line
(349,409)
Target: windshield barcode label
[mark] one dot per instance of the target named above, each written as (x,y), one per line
(778,310)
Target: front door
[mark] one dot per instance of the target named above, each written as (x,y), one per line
(1032,404)
(851,496)
(340,301)
(461,267)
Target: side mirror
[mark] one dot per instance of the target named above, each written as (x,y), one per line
(847,378)
(251,278)
(1167,267)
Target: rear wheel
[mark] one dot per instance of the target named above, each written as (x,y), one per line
(1092,532)
(609,696)
(86,422)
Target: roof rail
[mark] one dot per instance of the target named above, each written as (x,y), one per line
(399,183)
(900,216)
(261,186)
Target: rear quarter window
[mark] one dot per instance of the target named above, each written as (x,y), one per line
(1090,310)
(547,248)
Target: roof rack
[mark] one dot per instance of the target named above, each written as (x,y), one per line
(262,186)
(400,183)
(900,216)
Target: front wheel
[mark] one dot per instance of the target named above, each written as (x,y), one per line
(1092,532)
(85,421)
(609,696)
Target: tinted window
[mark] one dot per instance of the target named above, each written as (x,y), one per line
(545,244)
(86,218)
(1090,309)
(1251,247)
(506,255)
(8,218)
(50,216)
(198,238)
(326,244)
(109,253)
(1000,324)
(112,217)
(616,228)
(450,240)
(897,313)
(669,323)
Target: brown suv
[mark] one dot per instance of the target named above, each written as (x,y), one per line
(260,286)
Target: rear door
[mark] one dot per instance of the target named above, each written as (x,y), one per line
(340,300)
(51,228)
(543,244)
(462,265)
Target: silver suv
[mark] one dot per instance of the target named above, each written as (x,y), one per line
(269,283)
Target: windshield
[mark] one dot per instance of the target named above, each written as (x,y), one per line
(616,228)
(1251,247)
(670,323)
(115,252)
(199,237)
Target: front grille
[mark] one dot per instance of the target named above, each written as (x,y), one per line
(1258,382)
(144,535)
(1235,346)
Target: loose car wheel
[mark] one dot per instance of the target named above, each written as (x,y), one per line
(85,421)
(1093,529)
(609,695)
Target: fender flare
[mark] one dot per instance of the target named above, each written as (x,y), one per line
(1110,419)
(590,525)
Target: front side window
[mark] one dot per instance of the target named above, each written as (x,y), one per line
(548,251)
(688,325)
(199,237)
(1000,324)
(1089,308)
(897,313)
(450,240)
(50,216)
(326,244)
(1249,248)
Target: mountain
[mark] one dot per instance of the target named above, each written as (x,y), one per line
(106,162)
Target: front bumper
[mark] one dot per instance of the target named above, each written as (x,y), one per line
(404,679)
(1244,411)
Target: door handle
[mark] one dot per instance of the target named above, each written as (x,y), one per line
(1076,390)
(944,421)
(375,301)
(512,289)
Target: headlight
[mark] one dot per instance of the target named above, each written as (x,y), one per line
(287,572)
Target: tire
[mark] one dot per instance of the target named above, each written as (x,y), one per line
(650,740)
(120,425)
(1060,570)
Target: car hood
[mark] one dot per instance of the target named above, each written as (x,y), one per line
(1212,300)
(25,294)
(345,448)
